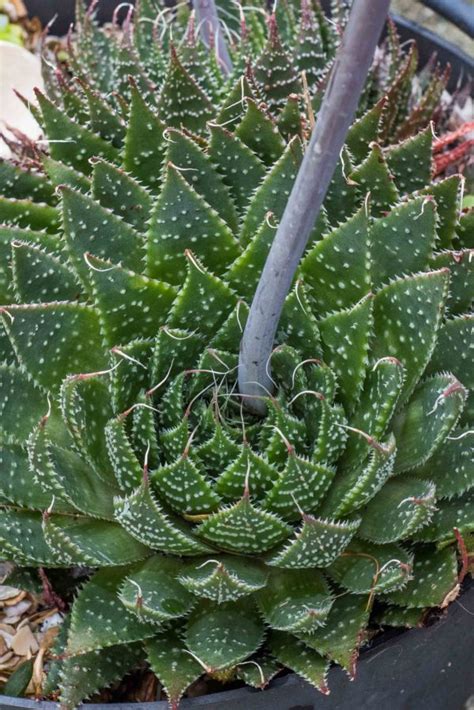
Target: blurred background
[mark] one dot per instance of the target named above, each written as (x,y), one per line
(415,11)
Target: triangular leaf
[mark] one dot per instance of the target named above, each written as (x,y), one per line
(221,635)
(182,220)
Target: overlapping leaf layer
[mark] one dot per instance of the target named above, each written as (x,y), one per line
(226,544)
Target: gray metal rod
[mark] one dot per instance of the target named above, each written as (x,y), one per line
(348,76)
(211,31)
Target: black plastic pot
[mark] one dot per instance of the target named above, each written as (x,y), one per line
(421,669)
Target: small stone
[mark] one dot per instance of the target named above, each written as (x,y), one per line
(24,642)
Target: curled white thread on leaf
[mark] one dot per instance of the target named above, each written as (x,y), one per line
(300,364)
(461,436)
(94,268)
(162,382)
(318,395)
(117,351)
(246,663)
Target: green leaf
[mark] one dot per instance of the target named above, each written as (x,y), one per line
(184,488)
(21,184)
(224,579)
(272,193)
(86,409)
(230,332)
(154,594)
(341,199)
(421,114)
(22,540)
(221,635)
(401,616)
(142,516)
(204,301)
(144,434)
(243,528)
(354,487)
(377,403)
(453,351)
(364,131)
(340,637)
(259,133)
(98,618)
(307,663)
(196,168)
(94,671)
(244,273)
(175,350)
(29,215)
(345,336)
(181,221)
(90,228)
(301,485)
(290,122)
(234,104)
(145,144)
(116,190)
(401,508)
(22,405)
(275,72)
(435,575)
(258,671)
(446,195)
(56,334)
(68,476)
(95,543)
(337,281)
(407,315)
(130,305)
(174,666)
(402,241)
(310,53)
(399,93)
(455,456)
(133,376)
(317,543)
(298,326)
(18,484)
(127,469)
(9,236)
(127,64)
(61,174)
(248,467)
(365,568)
(373,176)
(423,425)
(241,170)
(450,515)
(18,682)
(104,121)
(40,277)
(182,103)
(461,267)
(332,436)
(465,229)
(217,453)
(410,162)
(70,142)
(295,602)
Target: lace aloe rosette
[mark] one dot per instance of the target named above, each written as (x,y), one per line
(223,543)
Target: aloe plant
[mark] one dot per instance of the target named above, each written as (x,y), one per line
(221,542)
